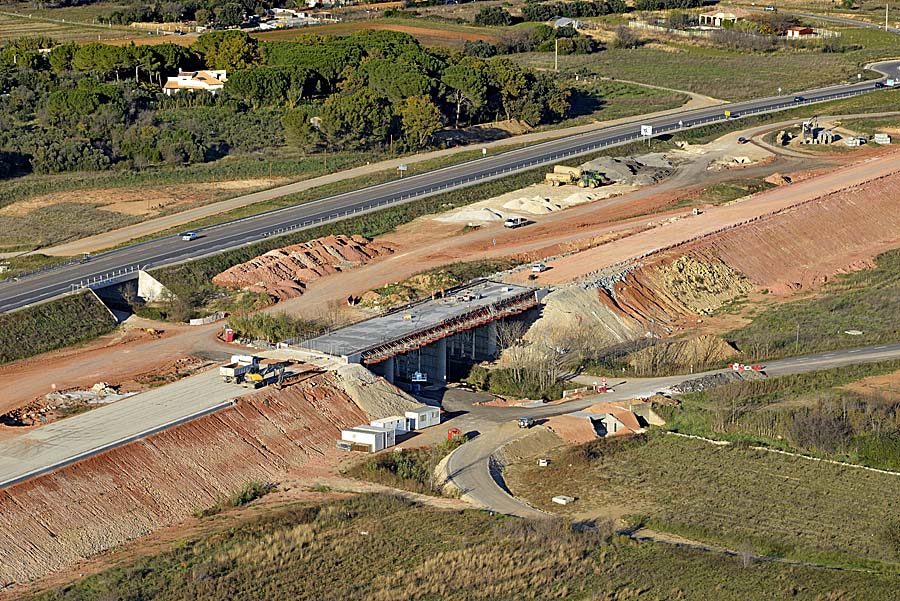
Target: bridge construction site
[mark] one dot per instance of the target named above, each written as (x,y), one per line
(422,342)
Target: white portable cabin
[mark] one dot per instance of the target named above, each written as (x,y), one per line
(397,422)
(372,438)
(388,434)
(424,417)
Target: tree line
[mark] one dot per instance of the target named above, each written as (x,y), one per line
(96,106)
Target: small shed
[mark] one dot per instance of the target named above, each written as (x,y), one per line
(371,437)
(423,417)
(396,422)
(800,32)
(389,434)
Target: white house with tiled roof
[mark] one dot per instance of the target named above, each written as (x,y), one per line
(209,80)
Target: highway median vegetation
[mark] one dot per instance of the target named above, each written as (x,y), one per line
(62,322)
(385,547)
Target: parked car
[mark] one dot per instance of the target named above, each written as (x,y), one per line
(189,236)
(538,267)
(514,222)
(742,140)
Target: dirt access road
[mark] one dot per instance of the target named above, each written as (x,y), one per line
(713,220)
(421,245)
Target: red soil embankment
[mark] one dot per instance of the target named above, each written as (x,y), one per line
(804,246)
(794,249)
(285,272)
(55,520)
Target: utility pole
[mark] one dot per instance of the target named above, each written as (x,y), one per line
(886,5)
(556,55)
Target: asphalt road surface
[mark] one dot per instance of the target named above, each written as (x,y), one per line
(171,249)
(470,466)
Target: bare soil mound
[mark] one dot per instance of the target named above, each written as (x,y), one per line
(672,288)
(806,245)
(373,394)
(285,272)
(697,353)
(57,519)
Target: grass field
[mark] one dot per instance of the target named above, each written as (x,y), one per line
(868,301)
(726,74)
(386,549)
(609,100)
(429,33)
(12,27)
(732,495)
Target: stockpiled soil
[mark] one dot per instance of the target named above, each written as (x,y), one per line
(59,323)
(54,520)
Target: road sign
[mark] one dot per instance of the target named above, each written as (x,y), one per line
(603,380)
(727,113)
(646,130)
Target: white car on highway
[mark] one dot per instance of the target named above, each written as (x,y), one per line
(189,236)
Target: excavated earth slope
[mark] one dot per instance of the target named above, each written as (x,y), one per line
(54,520)
(787,251)
(285,272)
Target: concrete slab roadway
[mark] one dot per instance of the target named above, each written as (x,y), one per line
(61,443)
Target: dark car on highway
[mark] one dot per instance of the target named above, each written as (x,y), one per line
(799,98)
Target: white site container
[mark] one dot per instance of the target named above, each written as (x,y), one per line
(397,422)
(424,417)
(375,441)
(388,434)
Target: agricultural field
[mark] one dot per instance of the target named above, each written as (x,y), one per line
(608,100)
(735,496)
(726,74)
(12,27)
(428,33)
(382,547)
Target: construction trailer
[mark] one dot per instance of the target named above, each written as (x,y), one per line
(424,417)
(397,422)
(372,438)
(240,366)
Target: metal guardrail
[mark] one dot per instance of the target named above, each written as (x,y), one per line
(400,198)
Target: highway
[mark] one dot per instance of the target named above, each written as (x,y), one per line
(171,249)
(469,467)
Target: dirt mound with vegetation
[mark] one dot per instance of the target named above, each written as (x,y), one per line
(573,315)
(285,272)
(696,353)
(83,509)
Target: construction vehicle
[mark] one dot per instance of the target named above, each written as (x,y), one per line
(263,374)
(562,175)
(239,367)
(592,179)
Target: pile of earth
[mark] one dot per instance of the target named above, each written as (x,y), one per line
(285,272)
(641,170)
(695,353)
(714,380)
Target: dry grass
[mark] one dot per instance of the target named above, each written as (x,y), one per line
(12,27)
(782,506)
(383,548)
